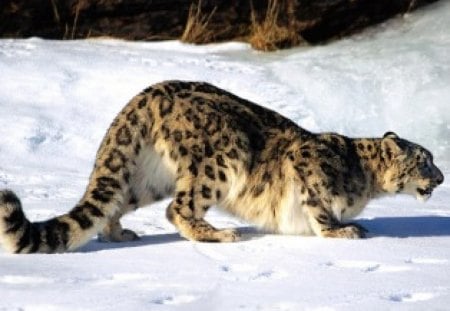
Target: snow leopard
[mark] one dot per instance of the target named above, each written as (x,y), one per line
(203,146)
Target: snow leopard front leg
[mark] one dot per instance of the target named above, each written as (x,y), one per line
(325,224)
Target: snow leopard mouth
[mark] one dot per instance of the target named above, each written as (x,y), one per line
(426,191)
(424,194)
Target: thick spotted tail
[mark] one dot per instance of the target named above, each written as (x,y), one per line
(105,196)
(60,234)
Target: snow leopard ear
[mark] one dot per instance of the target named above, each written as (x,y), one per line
(390,148)
(390,135)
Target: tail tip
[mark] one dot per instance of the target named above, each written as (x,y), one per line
(12,220)
(8,197)
(9,203)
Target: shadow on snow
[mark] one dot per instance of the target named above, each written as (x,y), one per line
(395,227)
(405,227)
(248,233)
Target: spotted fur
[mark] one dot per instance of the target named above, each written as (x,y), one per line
(204,146)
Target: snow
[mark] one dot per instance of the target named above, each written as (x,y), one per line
(58,98)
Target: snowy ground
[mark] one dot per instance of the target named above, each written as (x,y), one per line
(57,99)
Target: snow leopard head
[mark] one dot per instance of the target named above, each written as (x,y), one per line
(409,168)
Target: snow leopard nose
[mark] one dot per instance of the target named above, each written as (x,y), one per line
(440,178)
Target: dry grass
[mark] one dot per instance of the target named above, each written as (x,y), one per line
(70,32)
(196,30)
(55,12)
(75,20)
(268,35)
(412,5)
